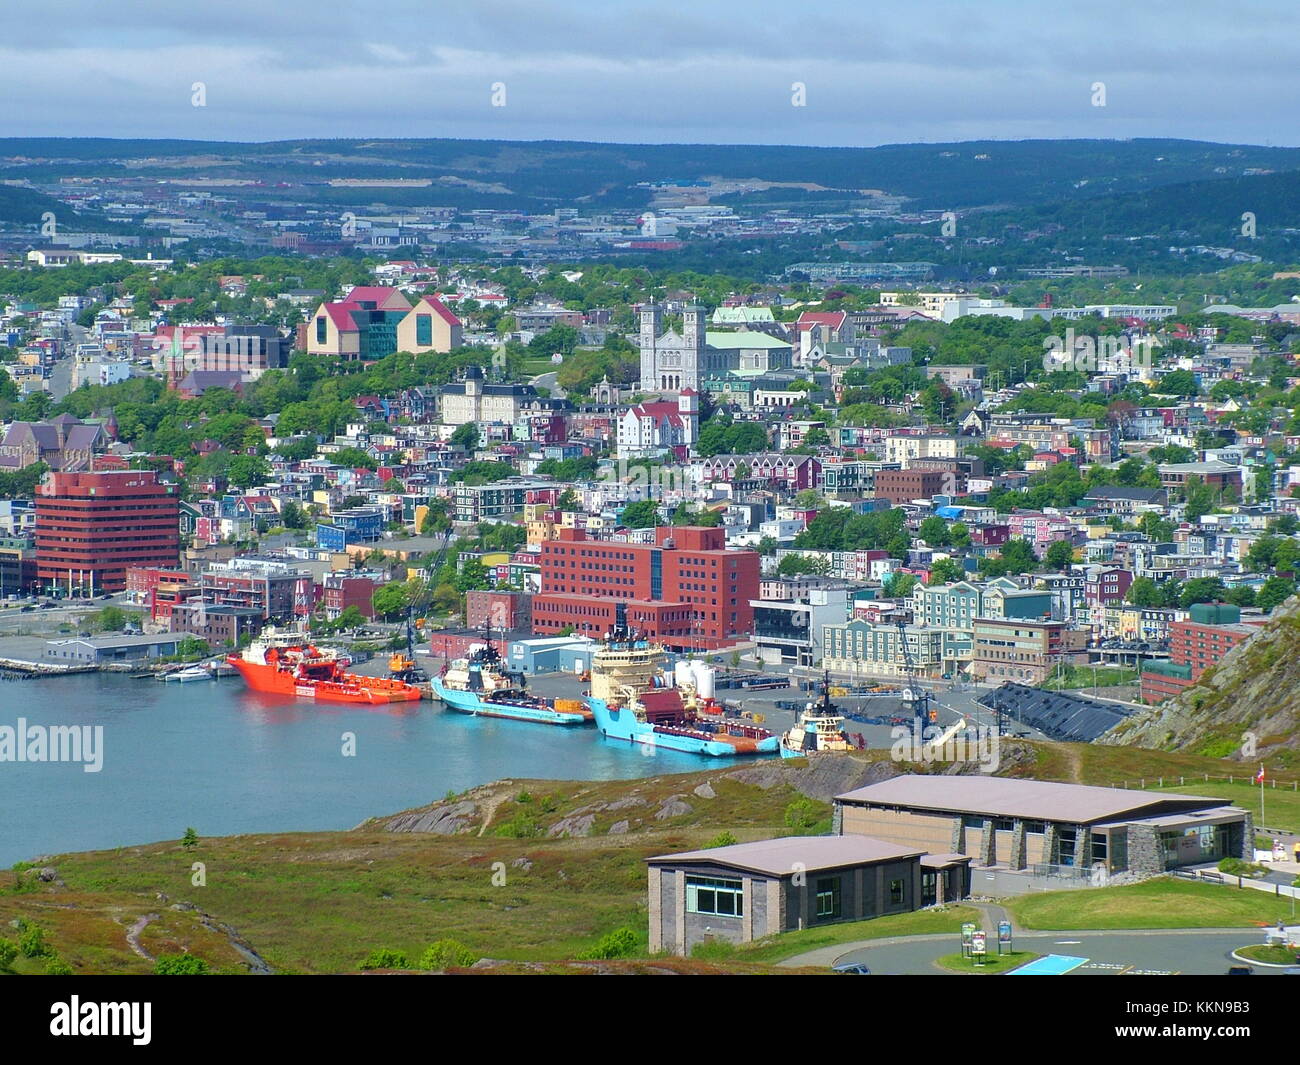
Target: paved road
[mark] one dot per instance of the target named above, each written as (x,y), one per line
(1160,952)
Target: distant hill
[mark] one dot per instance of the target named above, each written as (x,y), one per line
(1255,689)
(24,206)
(935,176)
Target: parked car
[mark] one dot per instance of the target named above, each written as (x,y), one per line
(853,968)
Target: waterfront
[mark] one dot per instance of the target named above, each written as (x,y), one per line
(226,761)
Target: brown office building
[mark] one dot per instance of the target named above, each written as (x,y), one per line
(902,486)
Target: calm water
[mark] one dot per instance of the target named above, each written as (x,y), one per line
(226,760)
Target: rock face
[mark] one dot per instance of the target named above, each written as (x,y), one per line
(1246,707)
(442,820)
(673,806)
(705,791)
(578,824)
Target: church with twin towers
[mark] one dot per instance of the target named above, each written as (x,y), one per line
(671,361)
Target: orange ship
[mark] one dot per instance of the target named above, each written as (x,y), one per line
(286,664)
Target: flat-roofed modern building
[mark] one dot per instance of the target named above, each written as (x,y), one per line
(750,890)
(1040,826)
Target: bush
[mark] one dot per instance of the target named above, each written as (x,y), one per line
(384,958)
(617,944)
(8,952)
(714,950)
(802,815)
(446,953)
(722,839)
(56,966)
(180,965)
(32,941)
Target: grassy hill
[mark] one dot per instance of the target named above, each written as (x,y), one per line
(1246,708)
(530,872)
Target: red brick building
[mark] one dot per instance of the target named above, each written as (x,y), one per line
(92,527)
(902,486)
(686,589)
(1202,641)
(504,610)
(340,591)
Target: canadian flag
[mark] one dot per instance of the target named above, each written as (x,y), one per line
(1259,777)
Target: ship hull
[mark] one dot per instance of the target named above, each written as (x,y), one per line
(620,724)
(351,688)
(473,704)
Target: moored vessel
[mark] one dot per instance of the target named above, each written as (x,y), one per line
(287,663)
(820,728)
(480,684)
(633,698)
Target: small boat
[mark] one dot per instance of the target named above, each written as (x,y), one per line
(189,673)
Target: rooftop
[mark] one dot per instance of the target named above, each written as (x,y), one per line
(779,856)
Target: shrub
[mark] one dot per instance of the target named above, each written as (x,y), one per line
(56,966)
(180,965)
(802,815)
(190,839)
(521,826)
(384,958)
(32,941)
(8,952)
(722,839)
(446,953)
(617,944)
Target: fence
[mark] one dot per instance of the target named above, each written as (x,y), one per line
(1279,890)
(1168,782)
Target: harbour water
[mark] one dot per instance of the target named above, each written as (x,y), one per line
(224,760)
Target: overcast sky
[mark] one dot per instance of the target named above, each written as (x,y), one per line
(716,71)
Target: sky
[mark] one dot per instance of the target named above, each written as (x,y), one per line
(712,71)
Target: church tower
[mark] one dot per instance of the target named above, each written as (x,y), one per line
(651,327)
(694,359)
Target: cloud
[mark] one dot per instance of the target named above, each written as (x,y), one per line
(934,70)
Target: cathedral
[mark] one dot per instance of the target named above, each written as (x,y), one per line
(669,362)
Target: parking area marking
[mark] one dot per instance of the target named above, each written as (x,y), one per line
(1049,965)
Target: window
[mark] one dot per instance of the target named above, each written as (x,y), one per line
(895,893)
(721,898)
(828,899)
(321,330)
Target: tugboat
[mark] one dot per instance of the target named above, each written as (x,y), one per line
(481,685)
(633,700)
(820,728)
(286,663)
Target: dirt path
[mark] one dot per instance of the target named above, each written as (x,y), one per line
(133,935)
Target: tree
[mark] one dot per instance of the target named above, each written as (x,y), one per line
(355,458)
(1274,592)
(391,599)
(641,515)
(1144,592)
(350,618)
(1018,557)
(1202,590)
(292,516)
(817,438)
(1059,555)
(934,531)
(568,500)
(190,839)
(466,436)
(945,571)
(248,470)
(898,585)
(958,535)
(793,565)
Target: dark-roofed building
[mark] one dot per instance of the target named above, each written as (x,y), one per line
(63,443)
(1125,499)
(475,400)
(1057,715)
(1041,826)
(751,890)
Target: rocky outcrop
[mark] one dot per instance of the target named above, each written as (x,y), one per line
(1244,708)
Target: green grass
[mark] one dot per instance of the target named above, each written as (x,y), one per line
(920,923)
(1160,903)
(1269,955)
(992,965)
(1077,677)
(1281,804)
